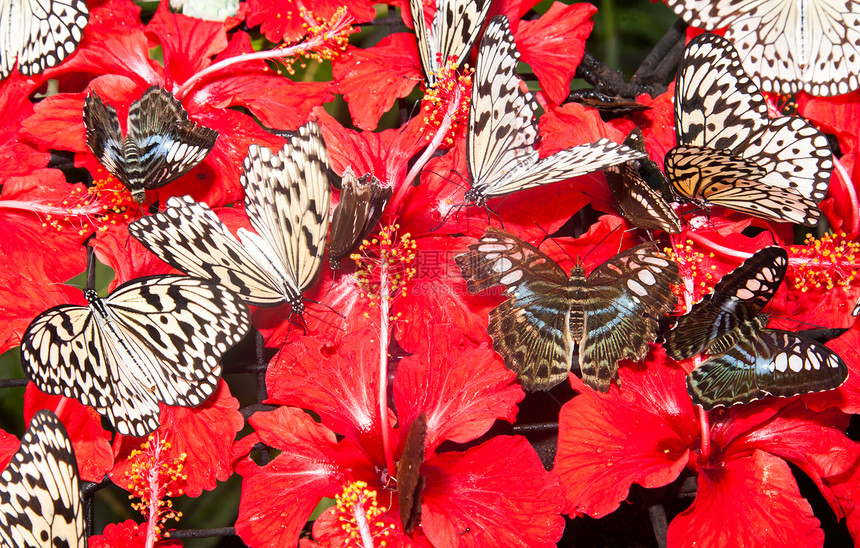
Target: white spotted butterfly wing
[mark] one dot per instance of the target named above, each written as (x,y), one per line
(39,34)
(610,315)
(503,133)
(153,340)
(160,146)
(787,47)
(40,499)
(453,32)
(730,153)
(748,361)
(287,198)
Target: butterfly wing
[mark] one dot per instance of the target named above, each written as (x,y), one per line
(502,131)
(39,34)
(154,339)
(531,329)
(162,143)
(104,136)
(716,103)
(454,30)
(640,204)
(626,297)
(788,46)
(40,500)
(287,198)
(738,297)
(362,202)
(190,237)
(769,362)
(503,134)
(718,177)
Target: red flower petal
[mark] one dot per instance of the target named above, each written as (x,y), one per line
(9,445)
(749,501)
(554,45)
(128,534)
(385,154)
(308,469)
(495,494)
(288,21)
(204,434)
(188,43)
(641,434)
(339,384)
(461,386)
(372,79)
(84,427)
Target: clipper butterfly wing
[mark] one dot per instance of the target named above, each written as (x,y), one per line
(749,361)
(609,315)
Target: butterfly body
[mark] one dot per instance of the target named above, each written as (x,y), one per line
(730,153)
(287,201)
(39,34)
(40,500)
(153,340)
(503,135)
(609,315)
(749,361)
(161,143)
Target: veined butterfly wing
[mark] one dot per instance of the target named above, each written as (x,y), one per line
(768,362)
(503,134)
(639,203)
(40,499)
(362,202)
(626,297)
(287,201)
(188,236)
(738,297)
(611,315)
(153,340)
(453,32)
(530,330)
(287,197)
(161,144)
(738,153)
(788,47)
(39,34)
(747,360)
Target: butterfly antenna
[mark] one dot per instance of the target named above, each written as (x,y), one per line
(91,263)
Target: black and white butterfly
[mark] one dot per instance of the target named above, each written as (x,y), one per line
(362,203)
(809,45)
(452,33)
(39,34)
(610,315)
(730,153)
(287,198)
(640,204)
(503,133)
(747,361)
(157,339)
(161,143)
(40,499)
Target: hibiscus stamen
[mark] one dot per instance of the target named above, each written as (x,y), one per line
(154,476)
(447,107)
(698,281)
(383,270)
(358,515)
(85,210)
(324,41)
(825,263)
